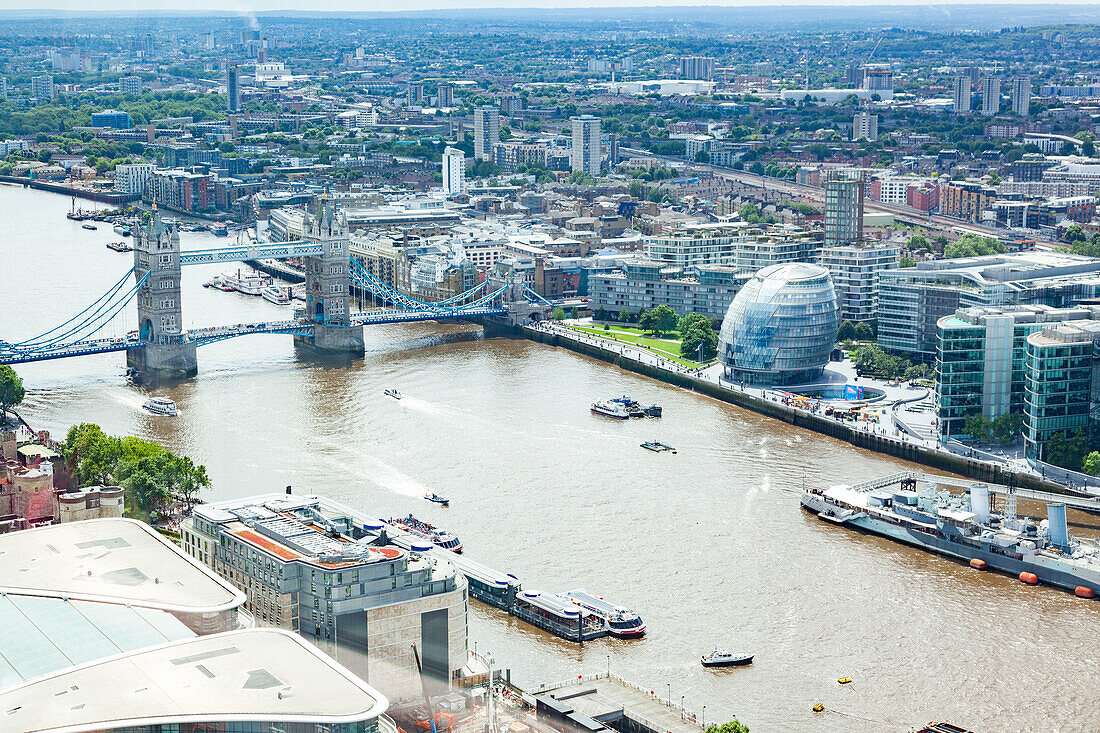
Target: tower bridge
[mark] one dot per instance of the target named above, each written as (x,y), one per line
(161,348)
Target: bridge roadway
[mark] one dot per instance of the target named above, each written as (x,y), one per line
(205,336)
(817,194)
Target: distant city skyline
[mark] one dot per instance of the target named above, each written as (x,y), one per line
(333,6)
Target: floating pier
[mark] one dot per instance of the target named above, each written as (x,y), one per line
(553,612)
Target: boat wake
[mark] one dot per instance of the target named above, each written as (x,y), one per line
(389,477)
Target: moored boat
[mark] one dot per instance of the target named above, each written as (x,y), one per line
(425,530)
(119,247)
(89,227)
(610,408)
(723,658)
(618,621)
(275,294)
(160,406)
(245,282)
(122,230)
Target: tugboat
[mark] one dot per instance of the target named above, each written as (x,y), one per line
(391,392)
(437,499)
(723,658)
(160,406)
(611,408)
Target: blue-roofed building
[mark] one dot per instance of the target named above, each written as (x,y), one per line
(113,118)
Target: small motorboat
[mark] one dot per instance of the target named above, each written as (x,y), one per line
(391,392)
(160,406)
(437,499)
(657,447)
(89,227)
(723,658)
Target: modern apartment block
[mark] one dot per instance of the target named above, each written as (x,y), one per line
(843,208)
(42,88)
(912,300)
(855,269)
(643,285)
(965,200)
(696,67)
(313,566)
(981,359)
(130,85)
(1021,95)
(991,95)
(960,94)
(585,156)
(454,171)
(1062,383)
(232,88)
(865,126)
(486,132)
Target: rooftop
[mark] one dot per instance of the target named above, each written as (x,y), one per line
(118,561)
(255,675)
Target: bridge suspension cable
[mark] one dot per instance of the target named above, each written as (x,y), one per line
(34,340)
(113,309)
(371,283)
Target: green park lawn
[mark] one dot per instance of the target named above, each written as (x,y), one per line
(668,348)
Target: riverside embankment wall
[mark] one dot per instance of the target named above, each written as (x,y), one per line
(939,460)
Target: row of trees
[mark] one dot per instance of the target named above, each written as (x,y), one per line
(11,390)
(1003,428)
(862,331)
(152,476)
(871,359)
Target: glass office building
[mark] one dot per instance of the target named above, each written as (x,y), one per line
(1062,388)
(781,327)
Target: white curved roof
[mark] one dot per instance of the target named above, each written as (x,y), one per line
(264,675)
(120,561)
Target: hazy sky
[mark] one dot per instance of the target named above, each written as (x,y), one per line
(405,5)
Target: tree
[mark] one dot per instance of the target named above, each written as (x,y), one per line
(659,320)
(1006,427)
(11,390)
(699,341)
(919,242)
(1074,233)
(905,262)
(574,313)
(864,332)
(734,726)
(689,320)
(978,427)
(624,316)
(1092,464)
(558,314)
(972,245)
(847,331)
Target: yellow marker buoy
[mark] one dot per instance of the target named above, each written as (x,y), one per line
(818,708)
(844,680)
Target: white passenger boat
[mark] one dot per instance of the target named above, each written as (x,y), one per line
(611,408)
(248,283)
(618,621)
(160,406)
(276,294)
(723,658)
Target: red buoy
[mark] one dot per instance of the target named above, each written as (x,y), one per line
(1029,578)
(978,564)
(1083,591)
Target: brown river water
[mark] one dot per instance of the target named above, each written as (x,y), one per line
(709,545)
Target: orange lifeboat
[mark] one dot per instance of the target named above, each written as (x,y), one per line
(1083,591)
(1029,578)
(978,564)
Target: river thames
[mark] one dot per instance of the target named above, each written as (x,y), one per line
(709,545)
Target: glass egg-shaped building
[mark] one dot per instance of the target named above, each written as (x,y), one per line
(781,327)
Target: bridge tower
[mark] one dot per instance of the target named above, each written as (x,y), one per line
(328,286)
(168,352)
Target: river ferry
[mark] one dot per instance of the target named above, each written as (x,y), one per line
(963,526)
(276,294)
(619,622)
(248,283)
(636,409)
(611,408)
(425,530)
(160,406)
(219,229)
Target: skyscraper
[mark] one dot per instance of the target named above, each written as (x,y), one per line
(454,171)
(843,208)
(486,132)
(960,94)
(586,145)
(1021,95)
(415,94)
(878,78)
(232,88)
(865,126)
(991,95)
